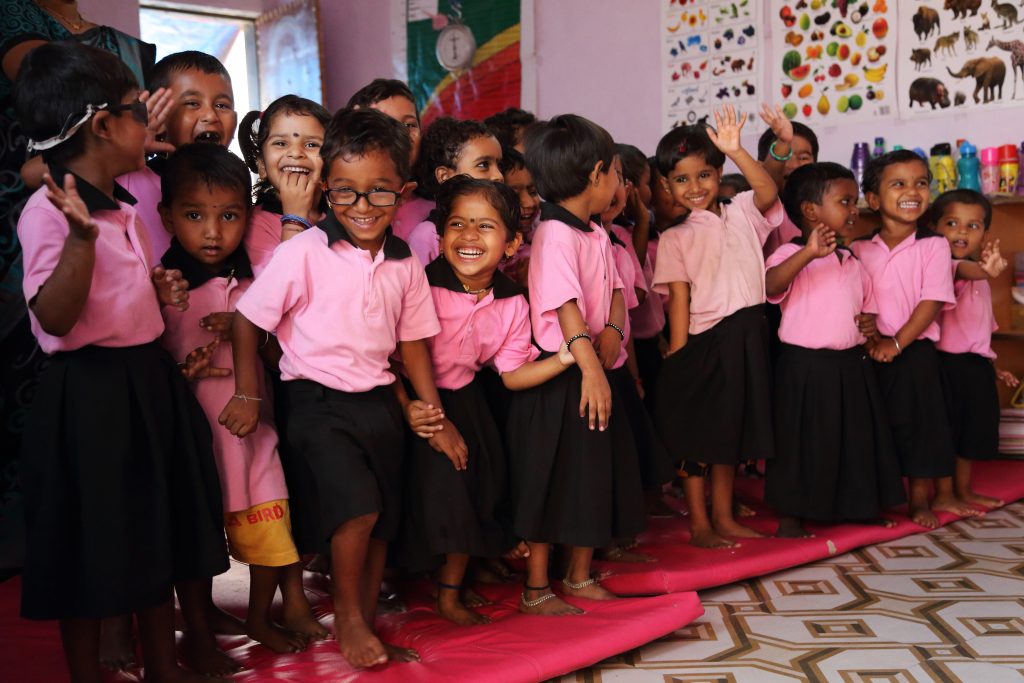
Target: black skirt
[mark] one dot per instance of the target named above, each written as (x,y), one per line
(912,390)
(571,485)
(447,511)
(648,364)
(834,456)
(346,457)
(121,489)
(972,404)
(655,466)
(714,395)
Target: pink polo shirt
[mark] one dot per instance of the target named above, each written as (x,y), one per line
(916,270)
(262,237)
(338,312)
(570,261)
(820,306)
(425,242)
(250,469)
(720,257)
(784,234)
(122,308)
(636,271)
(968,328)
(411,212)
(144,185)
(493,331)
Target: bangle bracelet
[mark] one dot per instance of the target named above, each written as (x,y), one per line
(771,151)
(618,329)
(899,349)
(296,220)
(575,337)
(247,398)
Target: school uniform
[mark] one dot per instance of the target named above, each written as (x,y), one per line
(121,491)
(834,456)
(338,314)
(425,238)
(448,511)
(571,485)
(647,321)
(714,397)
(262,237)
(253,490)
(411,212)
(512,265)
(915,270)
(967,362)
(145,186)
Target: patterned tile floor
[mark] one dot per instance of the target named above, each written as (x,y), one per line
(944,606)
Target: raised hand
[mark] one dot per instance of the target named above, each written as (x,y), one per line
(298,193)
(821,242)
(171,288)
(992,261)
(197,364)
(70,203)
(781,126)
(726,133)
(159,105)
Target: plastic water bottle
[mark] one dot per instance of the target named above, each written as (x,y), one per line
(879,148)
(943,169)
(990,170)
(859,161)
(969,168)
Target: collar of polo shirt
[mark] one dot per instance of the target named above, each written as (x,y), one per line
(394,247)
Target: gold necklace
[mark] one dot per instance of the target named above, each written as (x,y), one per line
(75,26)
(475,291)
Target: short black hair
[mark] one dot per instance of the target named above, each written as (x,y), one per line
(634,163)
(211,165)
(55,84)
(511,160)
(255,128)
(687,141)
(764,143)
(504,124)
(809,183)
(380,89)
(562,152)
(499,195)
(163,71)
(355,132)
(441,146)
(961,196)
(735,180)
(873,173)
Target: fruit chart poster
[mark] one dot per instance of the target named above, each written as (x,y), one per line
(712,52)
(833,61)
(960,55)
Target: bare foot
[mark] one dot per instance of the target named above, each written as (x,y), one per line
(203,656)
(706,538)
(879,521)
(924,517)
(790,527)
(358,645)
(956,506)
(981,500)
(303,622)
(117,646)
(401,654)
(734,529)
(552,607)
(474,599)
(223,623)
(622,554)
(592,591)
(457,613)
(519,552)
(742,510)
(274,637)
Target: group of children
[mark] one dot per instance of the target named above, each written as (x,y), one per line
(391,347)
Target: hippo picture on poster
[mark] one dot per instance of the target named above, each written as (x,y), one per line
(929,91)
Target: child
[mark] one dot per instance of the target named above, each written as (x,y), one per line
(394,98)
(453,507)
(451,148)
(782,149)
(340,297)
(732,184)
(517,177)
(965,337)
(574,470)
(205,205)
(201,108)
(142,453)
(509,127)
(909,270)
(834,457)
(282,146)
(713,406)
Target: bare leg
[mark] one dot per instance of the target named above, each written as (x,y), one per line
(722,520)
(156,632)
(964,491)
(81,641)
(117,644)
(579,573)
(701,533)
(537,585)
(946,500)
(201,651)
(449,598)
(298,615)
(349,553)
(259,626)
(920,513)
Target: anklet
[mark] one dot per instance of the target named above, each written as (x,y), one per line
(578,586)
(533,603)
(449,586)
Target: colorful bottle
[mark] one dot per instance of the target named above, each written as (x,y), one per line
(859,161)
(1009,169)
(969,168)
(879,148)
(943,168)
(990,170)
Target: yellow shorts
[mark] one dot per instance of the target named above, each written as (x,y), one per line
(262,535)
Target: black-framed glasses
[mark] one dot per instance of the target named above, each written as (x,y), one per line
(346,196)
(138,110)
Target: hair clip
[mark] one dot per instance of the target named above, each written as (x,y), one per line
(682,147)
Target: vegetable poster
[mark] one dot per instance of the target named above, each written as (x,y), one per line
(711,55)
(960,55)
(833,59)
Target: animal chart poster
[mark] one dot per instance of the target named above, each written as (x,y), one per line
(960,55)
(833,60)
(711,56)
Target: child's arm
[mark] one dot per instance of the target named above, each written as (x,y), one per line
(423,419)
(198,366)
(991,265)
(888,348)
(418,366)
(596,394)
(536,372)
(241,415)
(610,340)
(726,136)
(678,315)
(820,244)
(782,128)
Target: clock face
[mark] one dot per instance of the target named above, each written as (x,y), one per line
(456,47)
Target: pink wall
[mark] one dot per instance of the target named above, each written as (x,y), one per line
(356,46)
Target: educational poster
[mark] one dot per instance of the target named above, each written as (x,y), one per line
(463,57)
(833,60)
(711,55)
(960,56)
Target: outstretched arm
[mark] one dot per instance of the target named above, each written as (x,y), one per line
(726,136)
